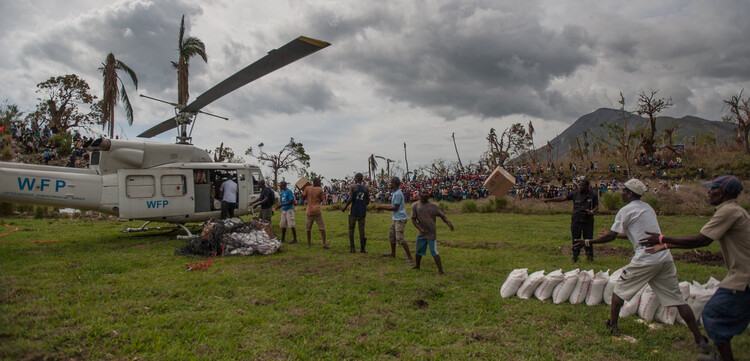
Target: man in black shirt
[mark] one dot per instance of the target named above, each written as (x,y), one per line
(265,201)
(359,197)
(585,204)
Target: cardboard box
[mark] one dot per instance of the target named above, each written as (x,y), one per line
(499,182)
(302,183)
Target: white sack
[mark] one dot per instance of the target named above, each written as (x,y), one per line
(666,315)
(582,287)
(648,305)
(609,289)
(699,296)
(597,288)
(552,279)
(631,306)
(515,279)
(712,283)
(530,284)
(562,291)
(685,290)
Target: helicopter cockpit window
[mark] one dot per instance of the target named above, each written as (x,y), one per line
(173,185)
(94,158)
(140,186)
(256,187)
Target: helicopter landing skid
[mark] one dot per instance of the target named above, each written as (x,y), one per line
(144,229)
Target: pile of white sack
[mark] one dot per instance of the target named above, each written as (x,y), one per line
(578,286)
(232,237)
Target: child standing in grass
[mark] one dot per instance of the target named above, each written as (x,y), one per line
(423,215)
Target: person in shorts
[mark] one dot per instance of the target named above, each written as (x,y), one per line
(265,201)
(286,204)
(633,221)
(398,207)
(423,215)
(585,204)
(314,196)
(727,313)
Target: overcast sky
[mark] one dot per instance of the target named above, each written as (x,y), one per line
(398,71)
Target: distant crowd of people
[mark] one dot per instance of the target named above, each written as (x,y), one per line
(35,139)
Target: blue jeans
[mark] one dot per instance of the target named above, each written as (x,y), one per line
(727,313)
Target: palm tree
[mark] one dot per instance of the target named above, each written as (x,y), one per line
(109,69)
(187,48)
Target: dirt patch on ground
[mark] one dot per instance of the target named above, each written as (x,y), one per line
(699,256)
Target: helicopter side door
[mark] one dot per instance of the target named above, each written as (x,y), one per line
(156,194)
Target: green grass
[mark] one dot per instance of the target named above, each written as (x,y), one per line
(99,294)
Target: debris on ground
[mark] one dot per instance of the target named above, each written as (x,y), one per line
(232,237)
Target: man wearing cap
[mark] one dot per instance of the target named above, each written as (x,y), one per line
(634,220)
(728,312)
(585,204)
(286,204)
(398,207)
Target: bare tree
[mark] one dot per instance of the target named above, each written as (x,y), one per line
(650,105)
(739,115)
(622,138)
(291,157)
(512,141)
(222,153)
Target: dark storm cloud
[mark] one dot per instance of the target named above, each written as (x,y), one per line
(141,34)
(484,58)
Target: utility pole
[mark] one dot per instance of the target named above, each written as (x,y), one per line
(453,136)
(406,161)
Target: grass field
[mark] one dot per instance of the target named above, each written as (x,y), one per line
(99,294)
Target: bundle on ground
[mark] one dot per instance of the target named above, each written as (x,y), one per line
(232,237)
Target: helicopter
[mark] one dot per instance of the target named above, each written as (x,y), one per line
(175,183)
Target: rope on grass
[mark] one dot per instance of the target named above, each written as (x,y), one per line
(202,266)
(7,233)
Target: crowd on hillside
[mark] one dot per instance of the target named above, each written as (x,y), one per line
(34,139)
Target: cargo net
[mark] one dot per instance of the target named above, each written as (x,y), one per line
(232,237)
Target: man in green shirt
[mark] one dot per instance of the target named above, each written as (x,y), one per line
(423,215)
(728,312)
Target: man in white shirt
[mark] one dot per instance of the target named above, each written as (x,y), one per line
(228,191)
(634,220)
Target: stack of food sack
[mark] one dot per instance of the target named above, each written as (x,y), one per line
(576,286)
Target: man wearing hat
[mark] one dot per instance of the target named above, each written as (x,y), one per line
(585,204)
(634,220)
(728,312)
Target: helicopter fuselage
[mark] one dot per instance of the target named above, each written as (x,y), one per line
(174,183)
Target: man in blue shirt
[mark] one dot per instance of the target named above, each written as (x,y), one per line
(286,203)
(398,207)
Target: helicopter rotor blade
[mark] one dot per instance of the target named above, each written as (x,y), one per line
(159,128)
(276,59)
